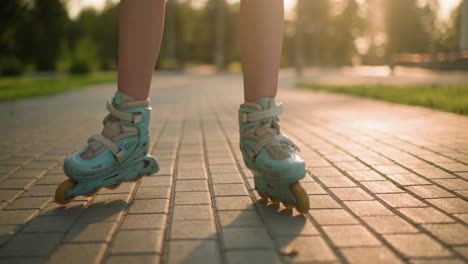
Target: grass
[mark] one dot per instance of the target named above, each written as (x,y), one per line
(450,98)
(13,88)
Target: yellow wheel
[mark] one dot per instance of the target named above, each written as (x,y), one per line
(288,205)
(262,195)
(302,199)
(136,179)
(113,187)
(60,193)
(90,194)
(275,200)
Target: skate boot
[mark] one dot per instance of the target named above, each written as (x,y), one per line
(271,156)
(118,154)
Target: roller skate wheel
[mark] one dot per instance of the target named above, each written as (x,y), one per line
(262,195)
(113,187)
(136,179)
(288,205)
(302,199)
(60,193)
(275,200)
(90,194)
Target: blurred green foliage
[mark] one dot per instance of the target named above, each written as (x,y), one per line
(39,35)
(450,98)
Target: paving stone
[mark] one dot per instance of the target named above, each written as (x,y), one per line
(23,260)
(454,166)
(322,202)
(152,193)
(7,195)
(325,172)
(191,186)
(382,187)
(286,224)
(337,182)
(245,238)
(425,215)
(350,194)
(156,181)
(7,231)
(28,174)
(417,245)
(453,184)
(140,259)
(31,245)
(226,178)
(433,173)
(192,212)
(229,189)
(390,169)
(389,224)
(137,241)
(235,218)
(222,168)
(192,198)
(78,253)
(50,224)
(401,200)
(233,203)
(368,208)
(149,206)
(193,229)
(429,191)
(351,236)
(312,188)
(74,208)
(41,190)
(366,255)
(266,256)
(191,174)
(333,217)
(28,203)
(51,179)
(144,221)
(366,175)
(309,249)
(102,212)
(450,205)
(462,250)
(91,232)
(15,217)
(437,261)
(452,234)
(16,184)
(351,166)
(193,251)
(408,179)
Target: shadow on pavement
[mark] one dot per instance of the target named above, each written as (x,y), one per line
(53,229)
(244,239)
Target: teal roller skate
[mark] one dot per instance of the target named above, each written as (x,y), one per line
(118,154)
(271,155)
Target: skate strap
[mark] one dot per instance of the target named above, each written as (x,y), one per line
(118,153)
(135,118)
(275,111)
(277,140)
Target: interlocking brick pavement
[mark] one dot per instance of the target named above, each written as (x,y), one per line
(387,183)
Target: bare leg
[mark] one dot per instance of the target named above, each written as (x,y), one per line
(261,35)
(140,33)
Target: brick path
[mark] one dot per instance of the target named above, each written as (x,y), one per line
(387,183)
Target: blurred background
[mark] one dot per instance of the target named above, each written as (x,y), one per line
(80,36)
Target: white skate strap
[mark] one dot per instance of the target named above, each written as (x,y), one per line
(135,118)
(277,140)
(260,115)
(118,153)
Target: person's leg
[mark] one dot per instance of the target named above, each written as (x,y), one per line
(120,153)
(140,33)
(261,35)
(269,154)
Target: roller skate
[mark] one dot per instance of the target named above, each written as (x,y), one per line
(118,154)
(271,155)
